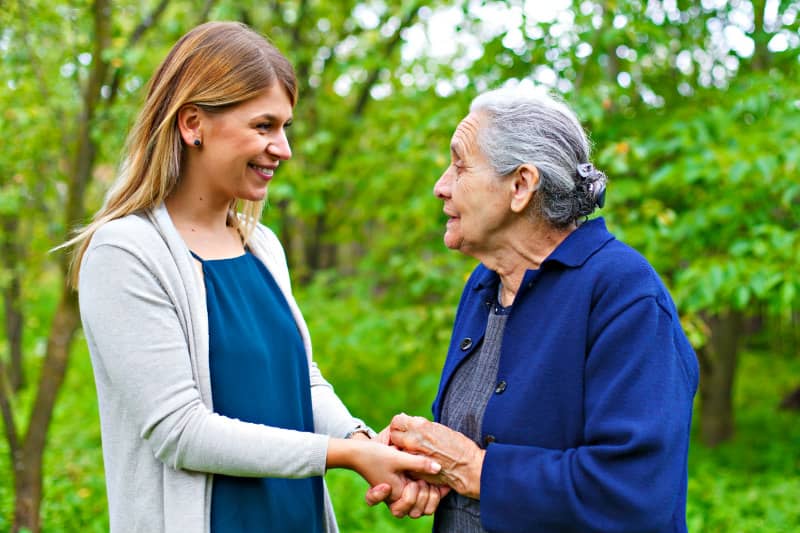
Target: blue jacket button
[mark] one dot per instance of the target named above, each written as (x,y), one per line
(466,344)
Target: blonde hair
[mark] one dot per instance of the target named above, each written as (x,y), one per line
(215,66)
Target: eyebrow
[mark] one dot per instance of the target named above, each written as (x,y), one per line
(270,117)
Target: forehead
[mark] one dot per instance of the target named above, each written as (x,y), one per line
(272,101)
(466,135)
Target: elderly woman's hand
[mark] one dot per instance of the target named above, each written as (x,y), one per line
(419,497)
(461,459)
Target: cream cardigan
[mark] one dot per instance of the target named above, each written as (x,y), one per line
(144,316)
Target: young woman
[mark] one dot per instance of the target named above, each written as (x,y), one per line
(214,416)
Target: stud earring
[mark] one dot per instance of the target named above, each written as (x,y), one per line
(197,142)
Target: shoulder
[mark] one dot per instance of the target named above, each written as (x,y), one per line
(266,237)
(620,272)
(132,231)
(132,238)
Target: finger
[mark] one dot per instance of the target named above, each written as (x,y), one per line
(433,500)
(402,506)
(378,493)
(423,496)
(421,464)
(384,437)
(400,422)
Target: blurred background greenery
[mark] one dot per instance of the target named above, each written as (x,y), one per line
(694,109)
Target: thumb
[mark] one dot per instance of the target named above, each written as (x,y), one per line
(378,493)
(423,465)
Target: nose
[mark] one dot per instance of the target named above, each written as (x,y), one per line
(279,146)
(441,188)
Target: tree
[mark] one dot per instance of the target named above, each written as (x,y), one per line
(98,54)
(94,88)
(692,109)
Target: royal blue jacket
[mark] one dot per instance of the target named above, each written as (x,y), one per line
(588,427)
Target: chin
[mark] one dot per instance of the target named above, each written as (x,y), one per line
(254,196)
(452,242)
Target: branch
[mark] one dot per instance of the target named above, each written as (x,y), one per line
(304,65)
(302,10)
(596,36)
(145,24)
(206,11)
(760,37)
(83,162)
(9,425)
(372,78)
(42,80)
(357,111)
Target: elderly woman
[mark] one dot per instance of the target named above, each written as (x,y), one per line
(565,401)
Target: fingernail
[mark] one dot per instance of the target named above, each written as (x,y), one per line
(436,467)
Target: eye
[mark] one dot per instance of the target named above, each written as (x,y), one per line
(264,126)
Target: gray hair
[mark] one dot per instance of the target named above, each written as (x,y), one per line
(528,127)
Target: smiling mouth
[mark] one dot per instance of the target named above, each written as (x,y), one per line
(265,172)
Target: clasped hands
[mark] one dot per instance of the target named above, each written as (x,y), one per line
(456,463)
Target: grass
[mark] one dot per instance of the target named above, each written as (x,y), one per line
(751,483)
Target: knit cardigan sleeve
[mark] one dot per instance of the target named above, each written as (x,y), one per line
(138,329)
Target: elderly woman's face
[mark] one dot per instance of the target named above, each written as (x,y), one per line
(475,198)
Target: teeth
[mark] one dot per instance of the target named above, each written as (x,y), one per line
(263,170)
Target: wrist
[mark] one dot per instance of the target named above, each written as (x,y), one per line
(358,435)
(342,453)
(475,476)
(361,431)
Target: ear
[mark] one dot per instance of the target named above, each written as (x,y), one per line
(524,182)
(189,120)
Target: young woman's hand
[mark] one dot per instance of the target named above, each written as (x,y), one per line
(388,472)
(420,498)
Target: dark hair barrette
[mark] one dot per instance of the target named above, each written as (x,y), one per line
(587,172)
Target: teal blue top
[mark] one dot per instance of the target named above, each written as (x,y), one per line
(259,374)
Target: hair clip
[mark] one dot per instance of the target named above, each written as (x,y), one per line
(586,170)
(596,184)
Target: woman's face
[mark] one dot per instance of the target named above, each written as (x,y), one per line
(243,146)
(475,198)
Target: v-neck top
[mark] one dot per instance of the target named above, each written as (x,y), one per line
(259,374)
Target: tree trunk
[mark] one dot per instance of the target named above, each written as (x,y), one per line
(718,361)
(28,459)
(30,454)
(28,492)
(791,401)
(761,55)
(12,297)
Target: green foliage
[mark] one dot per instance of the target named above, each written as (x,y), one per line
(700,143)
(390,355)
(746,484)
(710,197)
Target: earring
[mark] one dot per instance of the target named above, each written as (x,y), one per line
(197,142)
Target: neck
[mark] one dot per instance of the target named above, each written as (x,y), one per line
(525,250)
(196,207)
(201,218)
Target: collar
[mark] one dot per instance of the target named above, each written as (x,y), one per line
(573,251)
(581,244)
